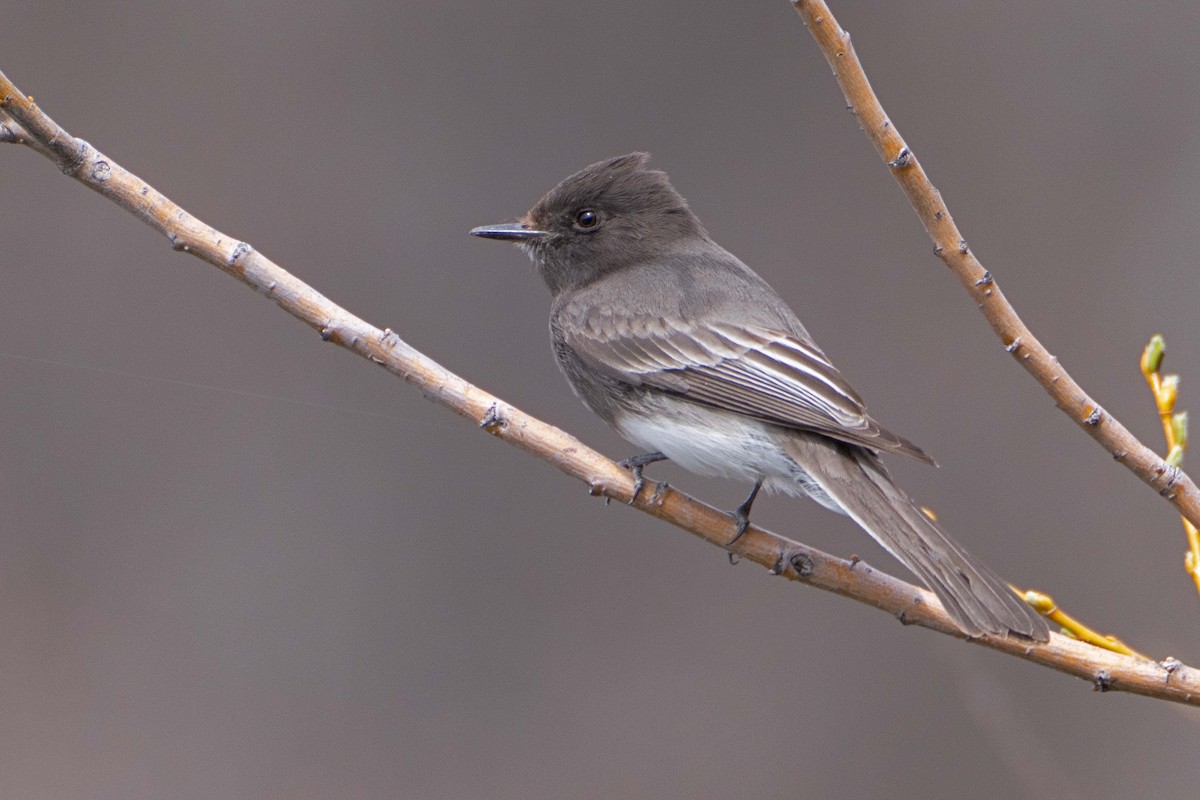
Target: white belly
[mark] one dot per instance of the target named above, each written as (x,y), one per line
(722,445)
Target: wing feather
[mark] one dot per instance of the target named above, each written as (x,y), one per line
(768,374)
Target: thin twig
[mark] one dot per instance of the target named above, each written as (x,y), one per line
(950,246)
(1169,680)
(1046,606)
(1175,429)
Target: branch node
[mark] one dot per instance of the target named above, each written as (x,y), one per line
(1171,473)
(962,246)
(1094,417)
(494,421)
(239,250)
(1170,665)
(902,159)
(1013,345)
(72,165)
(1102,681)
(987,277)
(938,250)
(903,615)
(9,132)
(101,171)
(803,564)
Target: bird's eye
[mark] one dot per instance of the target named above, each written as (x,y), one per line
(586,219)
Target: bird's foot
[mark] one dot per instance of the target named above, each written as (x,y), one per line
(741,515)
(635,465)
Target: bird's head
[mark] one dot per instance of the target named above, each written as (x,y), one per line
(600,220)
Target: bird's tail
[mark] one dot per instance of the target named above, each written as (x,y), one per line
(977,599)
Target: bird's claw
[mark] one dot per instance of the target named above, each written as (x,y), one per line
(741,521)
(635,464)
(639,483)
(741,515)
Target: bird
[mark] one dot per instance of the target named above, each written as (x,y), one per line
(686,352)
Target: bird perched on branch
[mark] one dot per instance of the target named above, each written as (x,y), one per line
(688,353)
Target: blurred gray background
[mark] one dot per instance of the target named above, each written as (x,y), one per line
(238,563)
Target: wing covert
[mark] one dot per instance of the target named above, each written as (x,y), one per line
(768,374)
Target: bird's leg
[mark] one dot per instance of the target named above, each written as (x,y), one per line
(634,465)
(741,514)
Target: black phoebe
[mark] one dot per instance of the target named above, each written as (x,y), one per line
(687,352)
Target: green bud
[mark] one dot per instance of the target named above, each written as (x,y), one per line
(1175,457)
(1152,356)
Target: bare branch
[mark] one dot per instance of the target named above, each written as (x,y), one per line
(1169,680)
(950,246)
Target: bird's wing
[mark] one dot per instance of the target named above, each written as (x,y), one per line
(757,371)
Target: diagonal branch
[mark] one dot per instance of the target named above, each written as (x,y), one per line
(949,245)
(1168,680)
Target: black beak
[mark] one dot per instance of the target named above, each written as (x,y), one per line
(508,231)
